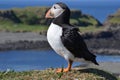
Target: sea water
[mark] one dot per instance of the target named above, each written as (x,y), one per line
(23,60)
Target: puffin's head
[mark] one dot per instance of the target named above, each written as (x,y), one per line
(58,9)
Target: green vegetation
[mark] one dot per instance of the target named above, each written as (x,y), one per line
(91,29)
(31,15)
(32,19)
(116,17)
(79,19)
(39,28)
(22,28)
(50,74)
(113,19)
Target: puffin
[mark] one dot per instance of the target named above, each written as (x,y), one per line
(65,39)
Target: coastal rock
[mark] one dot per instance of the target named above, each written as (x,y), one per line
(103,42)
(97,35)
(24,45)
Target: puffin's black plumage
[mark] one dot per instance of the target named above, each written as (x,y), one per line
(74,42)
(71,38)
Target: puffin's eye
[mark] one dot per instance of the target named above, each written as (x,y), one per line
(54,7)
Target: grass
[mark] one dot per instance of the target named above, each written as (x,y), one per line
(89,20)
(22,28)
(74,21)
(91,29)
(38,28)
(35,15)
(115,20)
(50,74)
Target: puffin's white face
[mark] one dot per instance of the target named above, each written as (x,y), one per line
(54,12)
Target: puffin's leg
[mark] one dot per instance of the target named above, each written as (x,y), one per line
(69,66)
(66,69)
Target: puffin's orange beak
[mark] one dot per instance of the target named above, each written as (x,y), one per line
(48,14)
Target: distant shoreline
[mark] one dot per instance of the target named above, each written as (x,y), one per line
(33,41)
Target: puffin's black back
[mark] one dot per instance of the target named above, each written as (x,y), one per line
(74,42)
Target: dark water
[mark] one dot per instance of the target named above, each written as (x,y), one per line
(38,60)
(100,9)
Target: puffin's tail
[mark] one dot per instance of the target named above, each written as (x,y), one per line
(94,59)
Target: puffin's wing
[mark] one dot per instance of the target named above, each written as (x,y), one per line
(74,42)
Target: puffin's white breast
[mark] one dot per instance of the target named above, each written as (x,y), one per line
(53,35)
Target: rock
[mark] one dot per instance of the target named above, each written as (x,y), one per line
(24,45)
(97,35)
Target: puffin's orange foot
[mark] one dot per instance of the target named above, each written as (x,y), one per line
(59,70)
(62,70)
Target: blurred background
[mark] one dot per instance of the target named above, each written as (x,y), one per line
(23,27)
